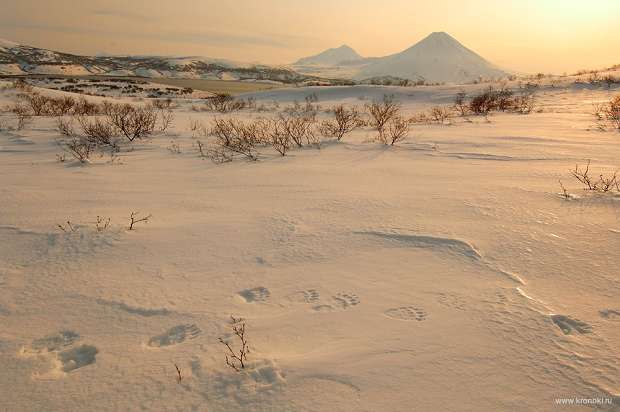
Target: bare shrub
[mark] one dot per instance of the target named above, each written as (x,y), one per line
(345,121)
(99,132)
(219,154)
(484,103)
(236,136)
(524,103)
(298,128)
(503,99)
(61,106)
(80,148)
(381,112)
(278,138)
(439,114)
(601,184)
(395,131)
(236,358)
(38,104)
(135,218)
(134,123)
(224,103)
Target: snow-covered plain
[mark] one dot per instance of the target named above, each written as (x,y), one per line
(442,274)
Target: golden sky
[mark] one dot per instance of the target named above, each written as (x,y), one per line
(522,35)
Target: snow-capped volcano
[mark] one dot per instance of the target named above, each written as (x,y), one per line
(437,58)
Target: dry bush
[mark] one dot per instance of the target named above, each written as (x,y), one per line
(300,129)
(381,112)
(524,103)
(38,104)
(602,184)
(345,121)
(608,114)
(99,132)
(279,140)
(439,114)
(504,100)
(224,103)
(134,123)
(80,148)
(484,103)
(237,137)
(218,154)
(395,131)
(61,106)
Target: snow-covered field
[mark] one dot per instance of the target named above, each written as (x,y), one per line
(441,274)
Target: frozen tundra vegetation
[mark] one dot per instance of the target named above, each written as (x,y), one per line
(328,248)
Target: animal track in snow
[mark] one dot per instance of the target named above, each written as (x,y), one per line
(257,294)
(452,301)
(54,342)
(612,314)
(346,300)
(306,296)
(407,313)
(174,336)
(570,325)
(75,358)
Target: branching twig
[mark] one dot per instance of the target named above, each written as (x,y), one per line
(135,219)
(236,359)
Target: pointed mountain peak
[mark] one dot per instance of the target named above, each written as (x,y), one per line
(331,57)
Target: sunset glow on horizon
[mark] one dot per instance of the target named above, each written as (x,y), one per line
(525,36)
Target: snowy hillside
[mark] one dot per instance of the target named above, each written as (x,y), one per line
(444,273)
(19,59)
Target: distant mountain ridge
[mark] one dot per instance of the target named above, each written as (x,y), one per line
(16,59)
(437,58)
